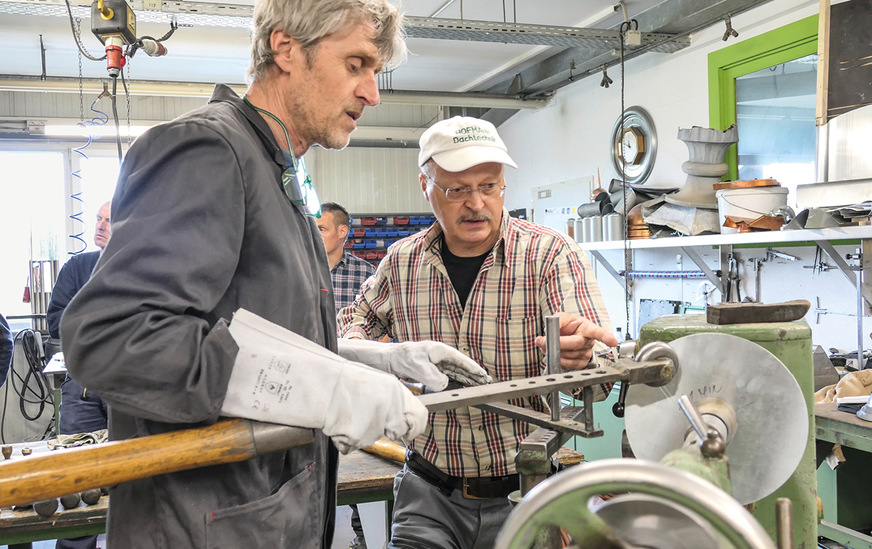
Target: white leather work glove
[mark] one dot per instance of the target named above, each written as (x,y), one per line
(282,377)
(429,362)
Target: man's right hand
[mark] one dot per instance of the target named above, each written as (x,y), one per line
(282,377)
(430,362)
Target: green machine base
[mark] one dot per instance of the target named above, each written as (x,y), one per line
(790,342)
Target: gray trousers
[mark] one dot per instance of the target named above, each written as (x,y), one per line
(425,518)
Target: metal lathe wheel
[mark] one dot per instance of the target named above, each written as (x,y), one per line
(562,501)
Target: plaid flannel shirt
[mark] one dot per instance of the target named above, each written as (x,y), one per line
(532,272)
(348,276)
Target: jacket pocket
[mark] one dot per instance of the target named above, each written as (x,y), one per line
(283,519)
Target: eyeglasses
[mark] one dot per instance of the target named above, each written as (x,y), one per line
(459,194)
(299,189)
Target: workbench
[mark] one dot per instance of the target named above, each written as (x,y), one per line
(362,478)
(853,477)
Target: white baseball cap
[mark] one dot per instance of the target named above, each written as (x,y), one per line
(459,143)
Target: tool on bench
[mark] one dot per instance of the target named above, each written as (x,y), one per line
(743,313)
(734,294)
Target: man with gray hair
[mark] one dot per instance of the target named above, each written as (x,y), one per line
(213,221)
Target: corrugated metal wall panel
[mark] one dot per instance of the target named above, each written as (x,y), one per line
(364,180)
(67,105)
(161,108)
(404,116)
(368,180)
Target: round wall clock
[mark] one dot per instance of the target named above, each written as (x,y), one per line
(634,145)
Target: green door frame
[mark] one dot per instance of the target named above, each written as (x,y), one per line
(725,65)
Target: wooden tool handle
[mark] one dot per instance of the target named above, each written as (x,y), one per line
(63,472)
(387,450)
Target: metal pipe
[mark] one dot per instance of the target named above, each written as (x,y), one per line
(61,84)
(440,10)
(693,416)
(552,359)
(662,274)
(784,523)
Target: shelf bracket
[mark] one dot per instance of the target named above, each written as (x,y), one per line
(711,275)
(863,271)
(608,267)
(846,269)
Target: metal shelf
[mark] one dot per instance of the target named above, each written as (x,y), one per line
(825,238)
(755,238)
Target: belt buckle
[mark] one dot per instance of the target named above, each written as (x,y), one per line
(466,493)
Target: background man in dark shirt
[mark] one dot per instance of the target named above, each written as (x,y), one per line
(347,270)
(75,272)
(81,411)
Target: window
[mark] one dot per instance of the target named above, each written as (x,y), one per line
(49,211)
(97,185)
(775,114)
(32,210)
(766,86)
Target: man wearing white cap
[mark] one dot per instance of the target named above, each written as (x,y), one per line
(482,282)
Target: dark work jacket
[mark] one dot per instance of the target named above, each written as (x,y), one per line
(200,228)
(75,272)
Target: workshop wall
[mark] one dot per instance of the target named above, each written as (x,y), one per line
(368,180)
(570,139)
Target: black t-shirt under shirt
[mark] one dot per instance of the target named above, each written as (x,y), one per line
(462,271)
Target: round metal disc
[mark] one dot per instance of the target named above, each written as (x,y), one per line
(642,520)
(771,413)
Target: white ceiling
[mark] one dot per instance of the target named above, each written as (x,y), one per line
(220,54)
(458,69)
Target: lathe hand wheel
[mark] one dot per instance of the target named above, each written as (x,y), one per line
(562,501)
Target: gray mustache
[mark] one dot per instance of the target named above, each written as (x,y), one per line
(463,218)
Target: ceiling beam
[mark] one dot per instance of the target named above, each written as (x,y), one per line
(676,18)
(60,84)
(532,35)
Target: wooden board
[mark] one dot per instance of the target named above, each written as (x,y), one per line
(749,313)
(745,184)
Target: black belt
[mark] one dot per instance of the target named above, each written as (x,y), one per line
(471,487)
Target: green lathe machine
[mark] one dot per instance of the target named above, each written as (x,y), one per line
(731,431)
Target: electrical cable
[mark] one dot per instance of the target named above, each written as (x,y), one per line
(132,48)
(99,120)
(127,102)
(77,38)
(34,387)
(627,257)
(115,117)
